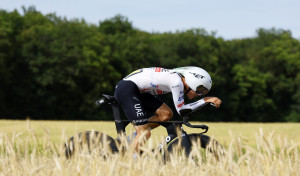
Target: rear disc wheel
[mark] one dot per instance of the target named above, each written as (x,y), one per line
(90,142)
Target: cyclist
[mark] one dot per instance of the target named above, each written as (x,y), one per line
(137,92)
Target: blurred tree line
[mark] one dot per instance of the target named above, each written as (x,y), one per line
(54,68)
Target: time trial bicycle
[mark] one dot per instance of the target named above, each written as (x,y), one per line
(177,140)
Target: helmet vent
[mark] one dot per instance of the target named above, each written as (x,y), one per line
(197,75)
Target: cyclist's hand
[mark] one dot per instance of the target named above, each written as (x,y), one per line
(216,101)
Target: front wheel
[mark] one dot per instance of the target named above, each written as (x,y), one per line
(201,144)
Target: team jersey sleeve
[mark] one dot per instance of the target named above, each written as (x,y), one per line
(177,90)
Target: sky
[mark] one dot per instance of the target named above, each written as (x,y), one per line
(230,19)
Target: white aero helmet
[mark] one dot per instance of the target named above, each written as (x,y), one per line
(197,78)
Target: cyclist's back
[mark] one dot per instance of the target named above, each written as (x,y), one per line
(154,80)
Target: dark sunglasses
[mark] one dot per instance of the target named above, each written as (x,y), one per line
(201,90)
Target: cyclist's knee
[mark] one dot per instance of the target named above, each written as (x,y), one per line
(165,113)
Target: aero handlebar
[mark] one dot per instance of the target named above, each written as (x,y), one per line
(204,127)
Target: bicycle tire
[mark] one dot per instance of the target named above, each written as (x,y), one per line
(90,140)
(202,141)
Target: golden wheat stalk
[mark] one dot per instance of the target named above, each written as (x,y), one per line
(26,154)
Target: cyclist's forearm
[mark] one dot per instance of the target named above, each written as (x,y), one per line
(187,108)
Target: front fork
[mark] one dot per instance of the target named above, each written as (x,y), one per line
(186,143)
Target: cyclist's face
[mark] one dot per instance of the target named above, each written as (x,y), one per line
(191,94)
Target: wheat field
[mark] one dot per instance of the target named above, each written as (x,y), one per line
(36,148)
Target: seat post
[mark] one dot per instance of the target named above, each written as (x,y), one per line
(120,125)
